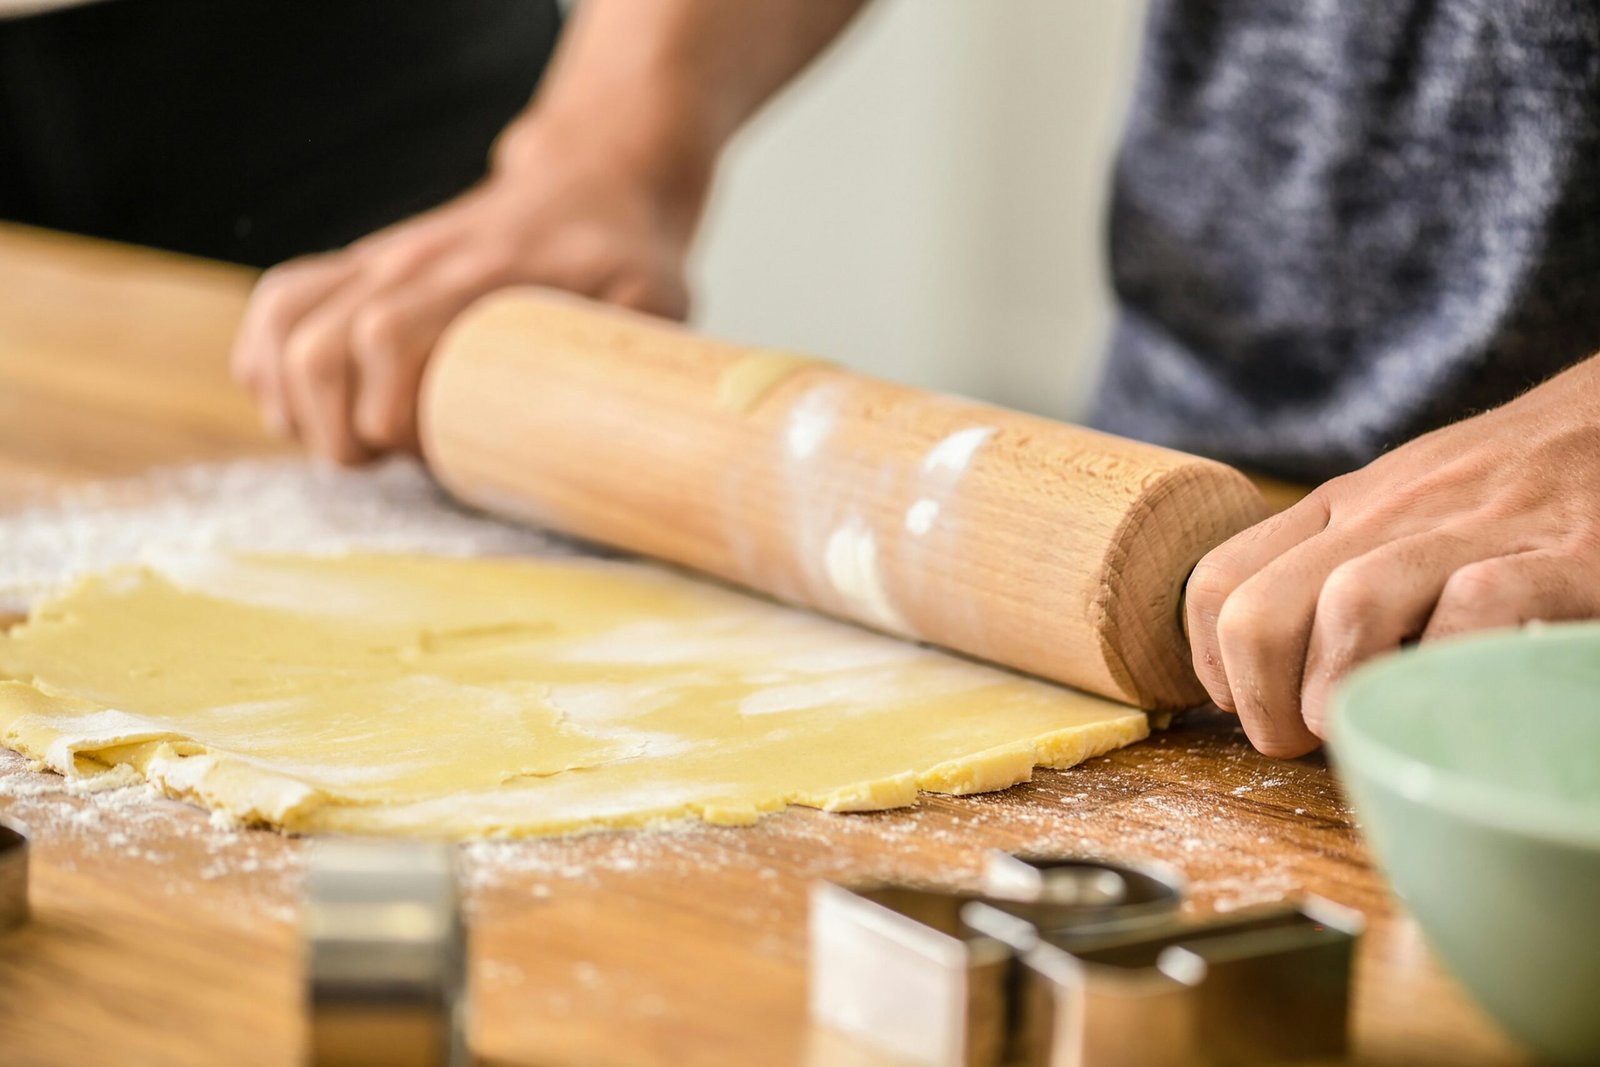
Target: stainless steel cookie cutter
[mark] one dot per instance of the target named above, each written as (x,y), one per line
(385,955)
(14,849)
(1084,892)
(1265,986)
(898,967)
(1077,963)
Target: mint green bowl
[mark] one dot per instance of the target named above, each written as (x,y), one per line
(1474,766)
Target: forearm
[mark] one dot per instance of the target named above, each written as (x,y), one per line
(660,87)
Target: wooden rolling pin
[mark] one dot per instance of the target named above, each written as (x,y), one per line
(1048,548)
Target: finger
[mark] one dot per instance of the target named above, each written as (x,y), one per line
(1263,631)
(320,372)
(1227,567)
(320,359)
(318,375)
(392,338)
(281,299)
(1508,591)
(1372,604)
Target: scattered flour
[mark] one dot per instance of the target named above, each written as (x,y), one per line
(132,825)
(174,514)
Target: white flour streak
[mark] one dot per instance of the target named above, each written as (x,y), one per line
(921,515)
(954,454)
(801,697)
(812,421)
(851,559)
(942,469)
(601,704)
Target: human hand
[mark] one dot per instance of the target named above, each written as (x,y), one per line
(333,346)
(1491,522)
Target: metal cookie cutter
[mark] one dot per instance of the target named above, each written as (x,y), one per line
(386,955)
(1265,986)
(1084,892)
(897,967)
(13,876)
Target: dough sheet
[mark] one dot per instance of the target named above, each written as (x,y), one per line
(448,697)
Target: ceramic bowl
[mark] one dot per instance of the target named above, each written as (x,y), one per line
(1474,766)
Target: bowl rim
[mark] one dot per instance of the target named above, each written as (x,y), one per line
(1493,804)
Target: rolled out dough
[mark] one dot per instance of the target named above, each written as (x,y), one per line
(452,697)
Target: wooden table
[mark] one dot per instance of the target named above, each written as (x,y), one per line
(159,939)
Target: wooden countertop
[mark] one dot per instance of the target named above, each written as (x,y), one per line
(159,939)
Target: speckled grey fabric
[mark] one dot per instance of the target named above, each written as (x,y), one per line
(1337,224)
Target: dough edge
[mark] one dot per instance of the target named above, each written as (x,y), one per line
(240,793)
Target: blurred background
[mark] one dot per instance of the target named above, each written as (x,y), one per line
(927,204)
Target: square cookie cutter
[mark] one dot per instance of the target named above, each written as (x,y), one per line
(1077,963)
(385,965)
(385,949)
(1268,985)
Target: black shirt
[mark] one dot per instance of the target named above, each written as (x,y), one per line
(257,130)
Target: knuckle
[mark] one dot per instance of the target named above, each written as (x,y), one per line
(312,360)
(275,280)
(1335,488)
(1476,584)
(377,329)
(270,313)
(1212,579)
(1245,624)
(286,278)
(1350,596)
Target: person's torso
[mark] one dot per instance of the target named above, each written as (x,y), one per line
(1340,223)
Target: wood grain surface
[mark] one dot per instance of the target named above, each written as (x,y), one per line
(161,940)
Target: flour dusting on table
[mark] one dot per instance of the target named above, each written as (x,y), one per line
(280,505)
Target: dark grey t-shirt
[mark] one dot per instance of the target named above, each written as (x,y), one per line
(1337,224)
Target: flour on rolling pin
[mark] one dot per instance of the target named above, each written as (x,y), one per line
(839,550)
(942,469)
(176,513)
